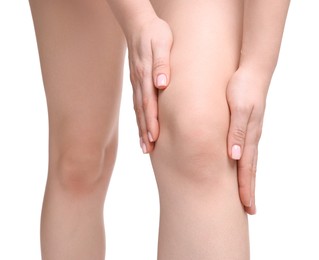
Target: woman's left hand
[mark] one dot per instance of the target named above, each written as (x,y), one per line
(246,97)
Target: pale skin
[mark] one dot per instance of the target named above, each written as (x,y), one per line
(201,127)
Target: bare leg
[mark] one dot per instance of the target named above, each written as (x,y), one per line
(201,213)
(81,50)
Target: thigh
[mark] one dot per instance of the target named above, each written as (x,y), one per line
(81,49)
(193,110)
(207,42)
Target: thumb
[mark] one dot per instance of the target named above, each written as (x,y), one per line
(161,65)
(237,132)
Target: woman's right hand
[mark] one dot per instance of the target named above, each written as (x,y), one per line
(149,46)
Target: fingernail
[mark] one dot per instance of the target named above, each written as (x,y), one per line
(150,137)
(161,80)
(236,152)
(141,142)
(144,148)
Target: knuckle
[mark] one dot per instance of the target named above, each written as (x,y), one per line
(257,115)
(133,81)
(159,63)
(249,169)
(138,111)
(242,108)
(258,133)
(140,71)
(145,102)
(239,134)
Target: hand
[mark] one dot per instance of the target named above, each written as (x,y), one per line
(246,97)
(149,47)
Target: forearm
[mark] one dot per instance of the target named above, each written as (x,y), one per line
(131,13)
(264,22)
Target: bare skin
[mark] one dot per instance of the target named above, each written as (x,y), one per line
(82,50)
(190,128)
(201,214)
(263,24)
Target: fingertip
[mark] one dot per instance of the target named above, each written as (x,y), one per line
(153,129)
(143,145)
(247,205)
(161,80)
(229,152)
(161,87)
(251,210)
(247,202)
(150,147)
(236,152)
(144,148)
(150,137)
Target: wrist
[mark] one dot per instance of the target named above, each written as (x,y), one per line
(136,21)
(255,69)
(256,78)
(132,14)
(263,66)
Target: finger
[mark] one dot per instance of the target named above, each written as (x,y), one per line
(161,63)
(237,132)
(149,102)
(136,109)
(138,73)
(140,118)
(245,172)
(252,210)
(135,86)
(247,165)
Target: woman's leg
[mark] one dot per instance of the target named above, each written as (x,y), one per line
(81,50)
(201,213)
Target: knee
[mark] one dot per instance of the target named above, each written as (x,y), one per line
(199,139)
(194,144)
(82,168)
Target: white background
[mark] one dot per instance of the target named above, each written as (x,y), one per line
(287,222)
